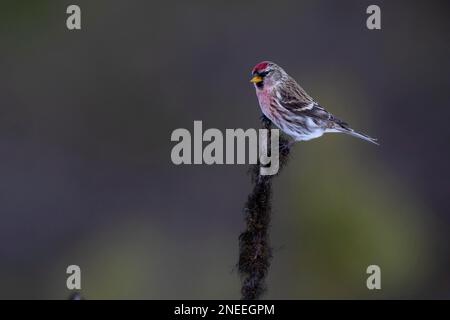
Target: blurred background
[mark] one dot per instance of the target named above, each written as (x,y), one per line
(86,175)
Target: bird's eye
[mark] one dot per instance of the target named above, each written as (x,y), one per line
(265,73)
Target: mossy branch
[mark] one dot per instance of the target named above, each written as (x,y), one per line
(255,252)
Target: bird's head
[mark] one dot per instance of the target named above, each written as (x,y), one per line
(266,74)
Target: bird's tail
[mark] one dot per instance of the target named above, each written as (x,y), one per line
(356,134)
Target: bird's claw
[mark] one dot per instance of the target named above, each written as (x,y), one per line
(285,146)
(265,121)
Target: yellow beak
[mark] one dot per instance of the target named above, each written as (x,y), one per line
(256,79)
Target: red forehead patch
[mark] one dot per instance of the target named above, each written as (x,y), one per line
(261,66)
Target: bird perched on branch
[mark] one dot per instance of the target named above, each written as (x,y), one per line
(291,109)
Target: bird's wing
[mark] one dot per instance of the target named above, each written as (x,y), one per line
(294,99)
(319,114)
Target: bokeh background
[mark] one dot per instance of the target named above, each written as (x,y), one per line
(86,176)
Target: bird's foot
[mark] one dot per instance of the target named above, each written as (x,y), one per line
(285,146)
(265,121)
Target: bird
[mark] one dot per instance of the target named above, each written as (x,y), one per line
(287,105)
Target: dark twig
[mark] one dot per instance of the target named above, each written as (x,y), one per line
(255,252)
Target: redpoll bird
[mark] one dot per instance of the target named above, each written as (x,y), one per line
(291,109)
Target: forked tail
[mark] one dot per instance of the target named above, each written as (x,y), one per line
(350,131)
(359,135)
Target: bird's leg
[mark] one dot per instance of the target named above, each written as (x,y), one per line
(265,121)
(285,146)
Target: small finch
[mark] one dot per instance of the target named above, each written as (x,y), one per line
(291,109)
